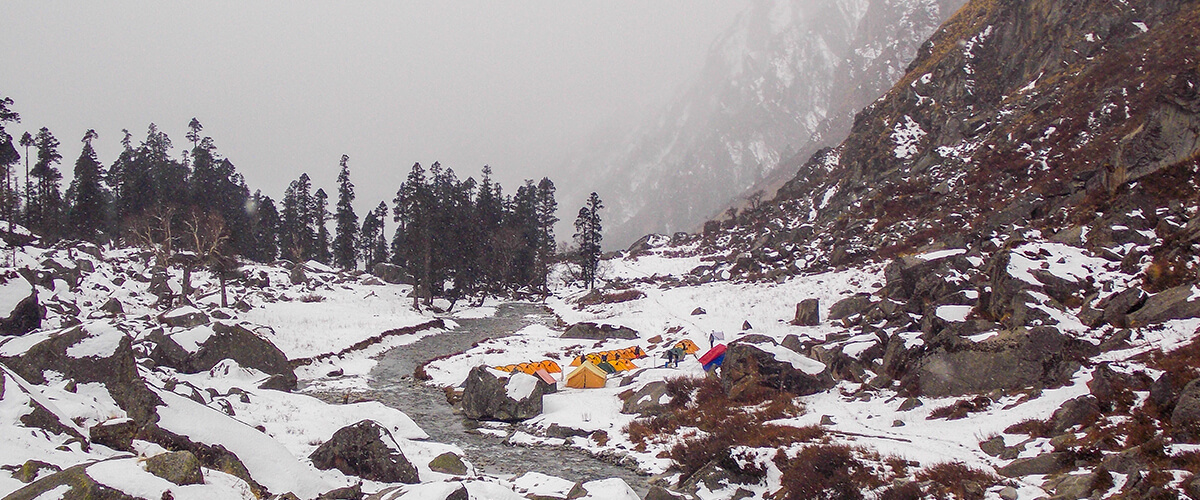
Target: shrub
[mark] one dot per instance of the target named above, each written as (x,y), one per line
(597,297)
(1031,426)
(312,297)
(960,409)
(830,472)
(957,480)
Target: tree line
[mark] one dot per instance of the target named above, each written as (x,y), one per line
(456,238)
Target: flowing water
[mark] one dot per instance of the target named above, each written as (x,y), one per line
(392,384)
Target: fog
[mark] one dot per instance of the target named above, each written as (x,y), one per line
(288,87)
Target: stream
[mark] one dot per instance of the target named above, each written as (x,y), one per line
(392,384)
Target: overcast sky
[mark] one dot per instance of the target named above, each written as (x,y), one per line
(288,87)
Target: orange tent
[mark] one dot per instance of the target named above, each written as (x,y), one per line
(688,346)
(587,376)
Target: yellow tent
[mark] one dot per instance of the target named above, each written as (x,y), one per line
(587,376)
(688,346)
(623,365)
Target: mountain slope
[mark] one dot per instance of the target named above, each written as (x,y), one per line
(784,79)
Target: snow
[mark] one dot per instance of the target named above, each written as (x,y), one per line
(941,254)
(797,360)
(127,475)
(520,386)
(907,135)
(953,312)
(1141,26)
(12,291)
(102,342)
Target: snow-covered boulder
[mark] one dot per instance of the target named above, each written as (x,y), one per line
(202,347)
(183,317)
(494,395)
(20,312)
(367,450)
(124,478)
(391,273)
(651,399)
(592,331)
(757,360)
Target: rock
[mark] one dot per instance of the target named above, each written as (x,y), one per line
(808,313)
(183,317)
(1014,359)
(391,273)
(698,311)
(849,306)
(370,280)
(910,403)
(352,492)
(1118,305)
(180,467)
(1162,390)
(1079,486)
(647,401)
(715,477)
(993,447)
(660,493)
(31,469)
(113,307)
(298,276)
(1046,463)
(26,314)
(279,383)
(366,450)
(1008,493)
(756,360)
(1082,411)
(247,348)
(117,433)
(746,326)
(1185,419)
(70,483)
(448,463)
(558,431)
(487,396)
(592,331)
(1173,303)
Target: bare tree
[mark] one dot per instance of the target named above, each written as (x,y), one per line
(153,230)
(208,235)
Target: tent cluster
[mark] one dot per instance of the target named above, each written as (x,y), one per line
(532,367)
(615,357)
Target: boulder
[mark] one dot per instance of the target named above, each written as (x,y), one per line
(183,317)
(29,471)
(117,433)
(248,349)
(757,360)
(391,273)
(808,313)
(180,467)
(850,306)
(297,276)
(493,395)
(19,305)
(1082,410)
(1046,463)
(367,450)
(698,311)
(1185,419)
(660,493)
(1013,359)
(649,400)
(77,484)
(592,331)
(113,307)
(448,463)
(1078,486)
(1115,307)
(1173,303)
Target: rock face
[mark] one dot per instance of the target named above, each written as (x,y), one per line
(181,467)
(366,450)
(756,360)
(1186,416)
(592,331)
(489,396)
(1012,360)
(646,401)
(1174,303)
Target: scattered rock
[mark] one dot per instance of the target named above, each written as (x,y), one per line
(849,306)
(1185,419)
(660,493)
(31,469)
(994,446)
(77,483)
(1117,306)
(698,311)
(1078,486)
(1013,359)
(391,273)
(808,313)
(1046,463)
(487,396)
(1082,411)
(592,331)
(647,400)
(113,307)
(448,463)
(247,348)
(352,492)
(117,433)
(180,467)
(366,450)
(183,317)
(746,326)
(298,276)
(910,403)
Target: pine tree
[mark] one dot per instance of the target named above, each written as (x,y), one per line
(587,235)
(345,241)
(8,157)
(265,227)
(320,214)
(545,210)
(87,193)
(26,141)
(47,206)
(296,230)
(194,128)
(412,245)
(489,215)
(373,244)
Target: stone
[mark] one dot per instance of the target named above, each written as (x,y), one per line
(27,314)
(993,447)
(660,493)
(746,326)
(647,400)
(391,273)
(248,349)
(698,311)
(1046,463)
(117,434)
(448,463)
(910,403)
(850,306)
(486,396)
(180,467)
(768,364)
(808,313)
(1008,493)
(113,307)
(352,492)
(1172,303)
(78,486)
(1014,359)
(1081,411)
(1185,419)
(278,383)
(367,450)
(298,276)
(1118,305)
(183,317)
(592,331)
(1079,486)
(31,469)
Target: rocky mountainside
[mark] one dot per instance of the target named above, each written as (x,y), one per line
(785,79)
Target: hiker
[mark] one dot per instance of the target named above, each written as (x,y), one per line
(714,336)
(674,356)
